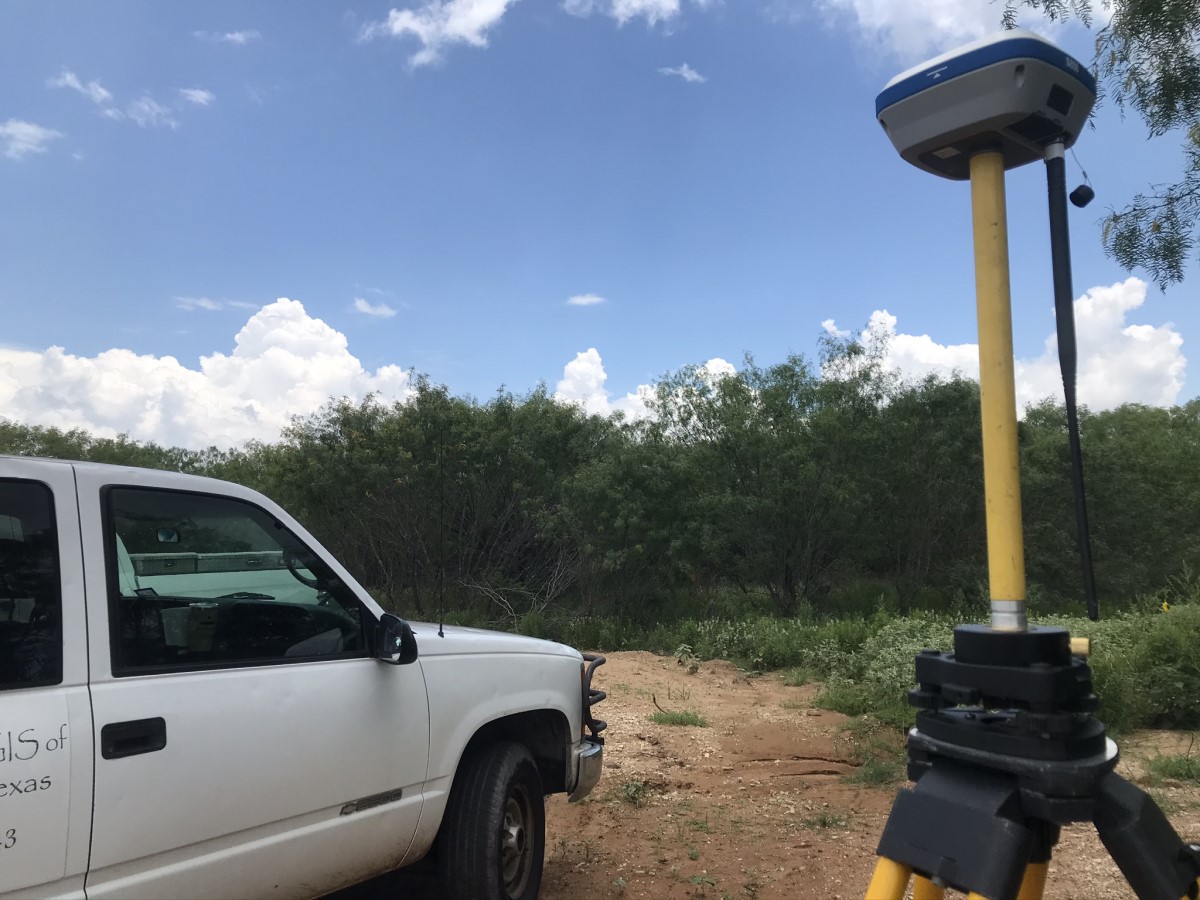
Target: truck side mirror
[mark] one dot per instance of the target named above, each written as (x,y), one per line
(395,641)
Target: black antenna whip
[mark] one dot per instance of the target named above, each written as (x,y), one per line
(1064,314)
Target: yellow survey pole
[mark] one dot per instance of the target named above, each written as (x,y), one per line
(997,394)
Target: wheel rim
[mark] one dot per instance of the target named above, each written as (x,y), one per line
(516,851)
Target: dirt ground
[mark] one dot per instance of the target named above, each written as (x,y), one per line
(770,800)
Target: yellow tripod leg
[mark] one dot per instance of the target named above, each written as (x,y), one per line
(1033,885)
(889,882)
(924,889)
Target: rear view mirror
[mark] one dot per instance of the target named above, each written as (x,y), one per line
(168,536)
(396,643)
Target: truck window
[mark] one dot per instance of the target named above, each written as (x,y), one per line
(204,581)
(30,587)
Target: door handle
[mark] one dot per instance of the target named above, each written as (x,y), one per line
(118,739)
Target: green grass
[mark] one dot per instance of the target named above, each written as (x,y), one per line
(1175,768)
(798,677)
(877,749)
(889,706)
(826,820)
(683,717)
(878,772)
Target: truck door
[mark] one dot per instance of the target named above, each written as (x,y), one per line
(247,743)
(45,719)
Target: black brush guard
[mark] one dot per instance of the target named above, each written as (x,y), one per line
(592,696)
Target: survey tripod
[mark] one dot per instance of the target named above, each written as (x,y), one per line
(1005,749)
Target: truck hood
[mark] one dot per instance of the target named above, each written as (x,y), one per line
(459,640)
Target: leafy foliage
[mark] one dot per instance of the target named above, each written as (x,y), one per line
(780,518)
(773,516)
(1148,58)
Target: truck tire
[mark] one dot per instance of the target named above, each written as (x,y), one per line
(493,838)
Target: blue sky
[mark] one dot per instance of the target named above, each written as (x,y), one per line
(432,184)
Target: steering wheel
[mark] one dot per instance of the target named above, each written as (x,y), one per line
(294,565)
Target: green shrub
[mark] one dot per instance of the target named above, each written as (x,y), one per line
(862,597)
(1144,665)
(887,704)
(1167,669)
(533,624)
(467,618)
(634,793)
(1141,662)
(847,697)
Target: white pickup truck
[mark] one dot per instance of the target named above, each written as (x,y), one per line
(197,700)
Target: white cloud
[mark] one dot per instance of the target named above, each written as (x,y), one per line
(586,300)
(92,90)
(198,96)
(716,369)
(149,113)
(653,11)
(830,327)
(378,310)
(584,379)
(909,29)
(144,111)
(439,24)
(191,303)
(686,72)
(1119,362)
(240,38)
(20,139)
(284,363)
(583,383)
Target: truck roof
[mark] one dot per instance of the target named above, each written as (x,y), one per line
(196,481)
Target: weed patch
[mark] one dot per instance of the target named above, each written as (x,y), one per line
(681,717)
(798,677)
(1175,768)
(878,772)
(878,751)
(826,820)
(635,793)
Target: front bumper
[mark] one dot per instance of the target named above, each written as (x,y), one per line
(587,756)
(588,763)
